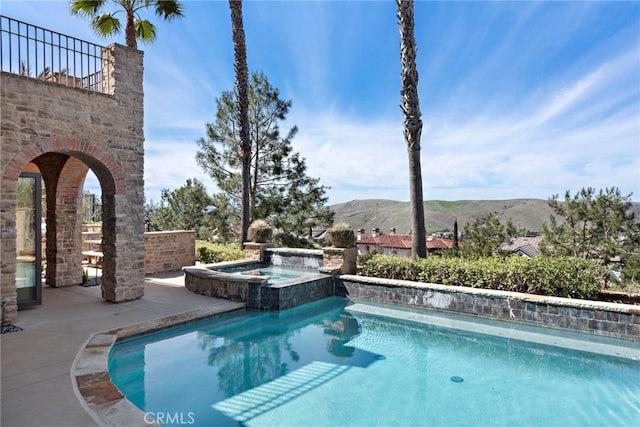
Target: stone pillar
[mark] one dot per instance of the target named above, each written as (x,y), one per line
(68,224)
(257,250)
(8,292)
(50,165)
(343,259)
(123,209)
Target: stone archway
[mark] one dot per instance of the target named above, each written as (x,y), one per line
(64,166)
(66,131)
(64,176)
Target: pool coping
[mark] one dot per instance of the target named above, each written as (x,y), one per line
(90,378)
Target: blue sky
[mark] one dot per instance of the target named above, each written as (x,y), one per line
(519,99)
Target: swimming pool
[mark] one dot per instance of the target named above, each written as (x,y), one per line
(333,362)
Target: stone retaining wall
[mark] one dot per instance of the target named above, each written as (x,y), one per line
(168,250)
(592,317)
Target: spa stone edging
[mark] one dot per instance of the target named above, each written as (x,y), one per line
(240,288)
(277,297)
(90,373)
(256,291)
(592,317)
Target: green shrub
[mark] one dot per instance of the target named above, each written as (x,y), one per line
(561,277)
(209,253)
(366,256)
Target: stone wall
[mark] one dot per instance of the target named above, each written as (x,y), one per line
(275,297)
(592,317)
(163,250)
(169,250)
(220,285)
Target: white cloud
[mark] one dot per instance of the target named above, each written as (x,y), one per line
(346,152)
(169,165)
(568,97)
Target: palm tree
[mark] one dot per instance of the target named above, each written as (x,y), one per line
(107,24)
(46,73)
(242,102)
(25,70)
(412,124)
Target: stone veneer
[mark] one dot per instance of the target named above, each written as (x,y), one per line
(168,250)
(204,281)
(592,317)
(277,297)
(64,132)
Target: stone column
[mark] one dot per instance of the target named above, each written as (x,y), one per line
(68,224)
(343,259)
(123,210)
(257,250)
(8,292)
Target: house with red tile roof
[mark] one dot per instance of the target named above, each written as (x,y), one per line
(397,244)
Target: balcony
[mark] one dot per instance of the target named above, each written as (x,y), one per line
(37,53)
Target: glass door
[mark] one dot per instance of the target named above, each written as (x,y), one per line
(29,240)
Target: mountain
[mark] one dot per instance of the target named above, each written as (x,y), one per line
(440,215)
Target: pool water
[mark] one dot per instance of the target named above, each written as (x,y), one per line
(277,274)
(335,363)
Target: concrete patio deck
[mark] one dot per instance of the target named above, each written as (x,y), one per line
(35,363)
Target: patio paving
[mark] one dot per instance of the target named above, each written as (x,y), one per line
(36,362)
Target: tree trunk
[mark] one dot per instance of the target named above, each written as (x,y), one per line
(455,236)
(242,101)
(412,124)
(130,32)
(254,184)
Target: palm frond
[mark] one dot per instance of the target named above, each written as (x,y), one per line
(44,74)
(86,8)
(145,30)
(105,25)
(169,9)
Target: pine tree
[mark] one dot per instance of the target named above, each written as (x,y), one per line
(280,190)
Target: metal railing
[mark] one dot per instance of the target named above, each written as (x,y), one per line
(38,53)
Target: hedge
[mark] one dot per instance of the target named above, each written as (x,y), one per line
(208,253)
(561,277)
